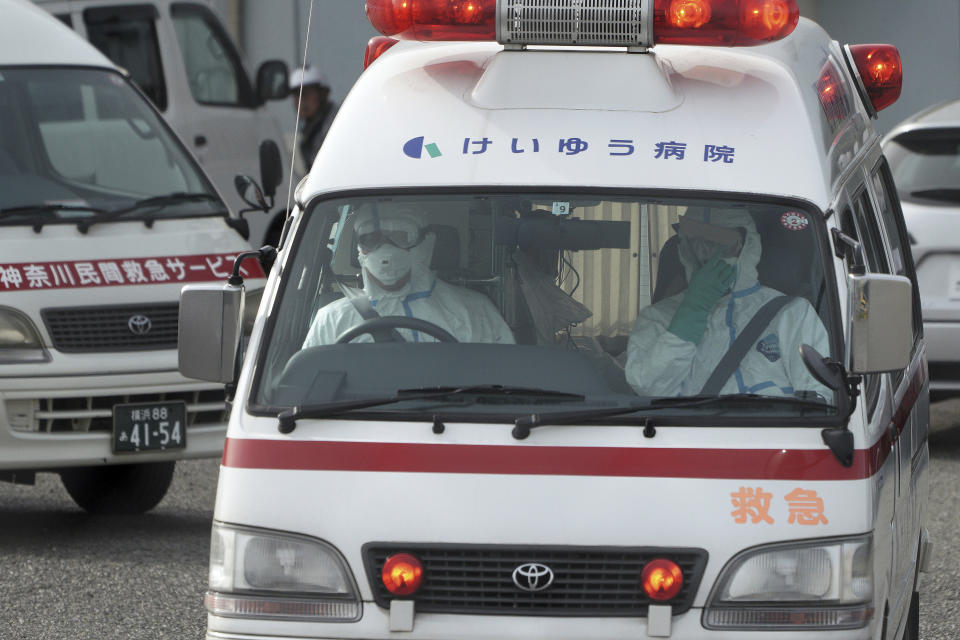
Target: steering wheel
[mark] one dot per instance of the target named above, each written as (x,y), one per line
(384,324)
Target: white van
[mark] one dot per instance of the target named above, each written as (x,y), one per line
(600,325)
(183,59)
(104,215)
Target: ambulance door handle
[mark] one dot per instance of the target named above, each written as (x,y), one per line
(200,141)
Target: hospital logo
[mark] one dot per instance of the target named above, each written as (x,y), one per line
(414,148)
(770,347)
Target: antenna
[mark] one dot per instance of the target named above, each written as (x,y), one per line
(296,127)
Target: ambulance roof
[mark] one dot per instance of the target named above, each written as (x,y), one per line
(694,118)
(31,36)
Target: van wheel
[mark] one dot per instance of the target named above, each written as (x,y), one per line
(118,489)
(912,632)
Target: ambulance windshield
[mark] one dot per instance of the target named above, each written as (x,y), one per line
(565,301)
(76,144)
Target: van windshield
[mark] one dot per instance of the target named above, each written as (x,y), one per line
(82,143)
(488,307)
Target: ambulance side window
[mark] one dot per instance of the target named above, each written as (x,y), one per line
(859,222)
(895,231)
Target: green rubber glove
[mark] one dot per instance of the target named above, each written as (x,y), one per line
(707,285)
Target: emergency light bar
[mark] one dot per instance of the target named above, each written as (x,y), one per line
(612,23)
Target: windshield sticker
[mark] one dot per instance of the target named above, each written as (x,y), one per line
(752,505)
(794,221)
(37,276)
(561,208)
(615,147)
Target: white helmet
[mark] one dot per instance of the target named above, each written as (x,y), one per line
(306,77)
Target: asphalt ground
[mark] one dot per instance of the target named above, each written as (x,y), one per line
(67,575)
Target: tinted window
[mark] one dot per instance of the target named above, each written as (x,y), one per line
(128,36)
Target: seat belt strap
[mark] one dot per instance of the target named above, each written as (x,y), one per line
(361,302)
(738,350)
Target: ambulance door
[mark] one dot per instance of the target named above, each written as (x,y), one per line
(879,394)
(911,421)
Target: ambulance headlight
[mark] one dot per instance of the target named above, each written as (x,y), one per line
(826,584)
(268,574)
(19,339)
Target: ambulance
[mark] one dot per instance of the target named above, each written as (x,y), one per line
(592,320)
(104,215)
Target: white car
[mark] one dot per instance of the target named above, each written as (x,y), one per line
(924,155)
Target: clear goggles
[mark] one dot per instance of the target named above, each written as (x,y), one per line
(399,233)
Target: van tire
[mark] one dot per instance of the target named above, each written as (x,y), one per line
(118,489)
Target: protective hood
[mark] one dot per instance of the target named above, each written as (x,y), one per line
(732,218)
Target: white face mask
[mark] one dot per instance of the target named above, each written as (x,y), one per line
(387,263)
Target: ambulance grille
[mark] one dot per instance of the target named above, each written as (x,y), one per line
(588,581)
(116,328)
(574,22)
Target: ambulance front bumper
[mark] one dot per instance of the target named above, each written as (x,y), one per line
(55,422)
(375,625)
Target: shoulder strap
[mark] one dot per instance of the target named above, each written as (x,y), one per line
(731,359)
(361,302)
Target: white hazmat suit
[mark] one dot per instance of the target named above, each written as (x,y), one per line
(468,315)
(661,363)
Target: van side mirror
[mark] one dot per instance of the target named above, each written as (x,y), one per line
(880,323)
(273,80)
(210,330)
(271,167)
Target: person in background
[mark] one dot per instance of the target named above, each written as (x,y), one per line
(311,98)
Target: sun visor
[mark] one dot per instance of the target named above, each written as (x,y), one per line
(557,79)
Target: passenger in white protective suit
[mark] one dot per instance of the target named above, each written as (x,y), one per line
(395,249)
(677,342)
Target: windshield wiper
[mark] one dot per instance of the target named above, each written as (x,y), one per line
(153,202)
(288,418)
(947,194)
(48,208)
(524,424)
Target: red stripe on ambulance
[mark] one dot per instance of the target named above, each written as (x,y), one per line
(117,272)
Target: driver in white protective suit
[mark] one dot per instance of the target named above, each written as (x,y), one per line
(677,342)
(395,249)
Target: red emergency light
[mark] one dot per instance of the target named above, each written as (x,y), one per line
(878,72)
(434,19)
(402,574)
(662,579)
(725,23)
(728,23)
(376,47)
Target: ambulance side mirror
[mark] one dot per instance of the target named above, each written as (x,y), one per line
(879,323)
(210,330)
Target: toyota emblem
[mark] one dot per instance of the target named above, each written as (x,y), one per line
(533,576)
(139,325)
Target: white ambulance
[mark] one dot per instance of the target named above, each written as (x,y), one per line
(104,215)
(595,321)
